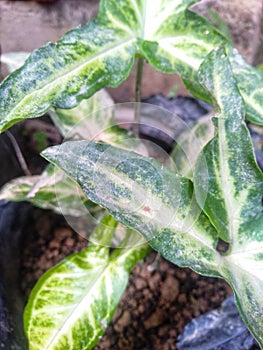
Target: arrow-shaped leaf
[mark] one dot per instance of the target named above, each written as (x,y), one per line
(235,189)
(234,177)
(53,189)
(71,304)
(144,195)
(102,54)
(62,74)
(180,45)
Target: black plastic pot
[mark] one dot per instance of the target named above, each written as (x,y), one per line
(217,330)
(12,219)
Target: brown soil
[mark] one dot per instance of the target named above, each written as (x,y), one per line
(160,299)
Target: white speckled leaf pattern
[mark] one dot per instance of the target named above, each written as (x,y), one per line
(168,35)
(72,303)
(144,195)
(235,191)
(102,54)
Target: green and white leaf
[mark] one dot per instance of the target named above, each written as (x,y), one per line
(102,54)
(190,143)
(53,190)
(89,119)
(144,195)
(72,304)
(14,60)
(180,45)
(235,189)
(95,119)
(250,84)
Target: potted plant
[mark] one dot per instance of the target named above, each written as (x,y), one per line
(182,217)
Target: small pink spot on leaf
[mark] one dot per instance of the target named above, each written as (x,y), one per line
(147,209)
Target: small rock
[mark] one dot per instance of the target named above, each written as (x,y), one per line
(54,244)
(154,281)
(123,321)
(69,242)
(140,283)
(154,320)
(62,233)
(170,289)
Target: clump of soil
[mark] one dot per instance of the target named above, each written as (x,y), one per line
(160,299)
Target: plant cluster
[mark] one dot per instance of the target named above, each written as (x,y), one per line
(182,214)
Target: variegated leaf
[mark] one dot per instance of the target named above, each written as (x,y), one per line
(250,84)
(102,54)
(190,143)
(235,190)
(144,195)
(92,119)
(53,189)
(88,120)
(180,45)
(83,61)
(72,304)
(95,119)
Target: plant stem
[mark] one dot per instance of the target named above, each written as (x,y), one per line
(19,154)
(137,112)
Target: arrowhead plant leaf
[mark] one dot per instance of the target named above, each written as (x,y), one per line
(235,190)
(146,196)
(169,36)
(72,303)
(102,54)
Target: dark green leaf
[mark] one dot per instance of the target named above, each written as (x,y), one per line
(235,189)
(144,195)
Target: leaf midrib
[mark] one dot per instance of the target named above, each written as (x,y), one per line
(112,262)
(66,323)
